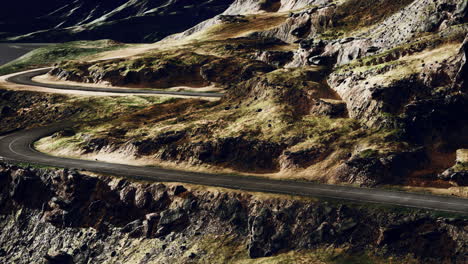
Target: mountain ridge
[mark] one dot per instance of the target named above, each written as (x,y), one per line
(121,20)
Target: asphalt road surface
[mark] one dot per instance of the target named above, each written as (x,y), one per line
(12,51)
(18,146)
(26,79)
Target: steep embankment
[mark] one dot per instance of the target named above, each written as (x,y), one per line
(70,217)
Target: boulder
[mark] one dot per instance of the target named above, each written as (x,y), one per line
(179,189)
(172,220)
(275,58)
(458,177)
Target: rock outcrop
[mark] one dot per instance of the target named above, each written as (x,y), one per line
(290,5)
(419,17)
(166,71)
(239,153)
(303,24)
(372,169)
(63,216)
(460,79)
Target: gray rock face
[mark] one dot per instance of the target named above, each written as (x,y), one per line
(364,98)
(241,7)
(349,50)
(400,28)
(106,222)
(303,24)
(261,155)
(373,170)
(290,5)
(418,17)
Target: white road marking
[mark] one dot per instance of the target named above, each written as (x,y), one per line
(290,188)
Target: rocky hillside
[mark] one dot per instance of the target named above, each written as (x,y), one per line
(61,216)
(120,20)
(360,92)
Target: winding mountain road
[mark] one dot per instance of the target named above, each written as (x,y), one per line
(18,147)
(25,78)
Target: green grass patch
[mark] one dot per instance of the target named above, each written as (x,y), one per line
(98,108)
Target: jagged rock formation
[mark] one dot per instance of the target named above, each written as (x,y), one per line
(459,172)
(62,216)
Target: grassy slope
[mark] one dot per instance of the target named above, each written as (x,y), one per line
(55,53)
